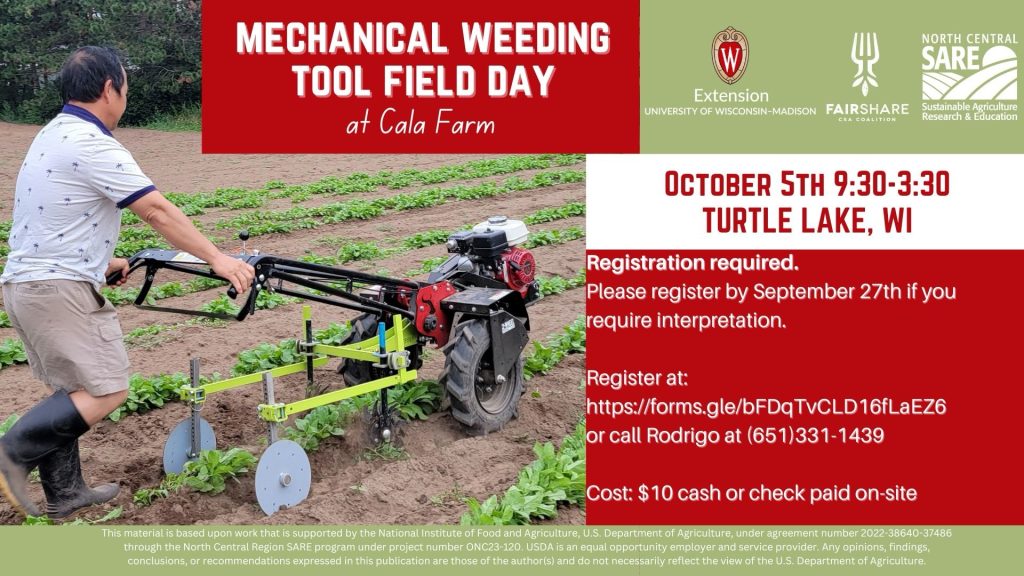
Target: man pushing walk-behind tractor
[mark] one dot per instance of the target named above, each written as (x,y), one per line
(72,186)
(69,194)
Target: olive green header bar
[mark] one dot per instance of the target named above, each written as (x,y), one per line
(870,76)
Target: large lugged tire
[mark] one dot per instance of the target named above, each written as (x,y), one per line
(365,326)
(478,401)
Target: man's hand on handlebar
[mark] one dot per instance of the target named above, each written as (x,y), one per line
(117,269)
(239,273)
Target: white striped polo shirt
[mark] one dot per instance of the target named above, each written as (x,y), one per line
(68,198)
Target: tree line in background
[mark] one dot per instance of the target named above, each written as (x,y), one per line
(160,40)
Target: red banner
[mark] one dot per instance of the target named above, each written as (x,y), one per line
(843,387)
(307,77)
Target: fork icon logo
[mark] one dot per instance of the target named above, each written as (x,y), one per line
(865,54)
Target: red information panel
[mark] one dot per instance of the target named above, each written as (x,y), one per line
(427,77)
(807,387)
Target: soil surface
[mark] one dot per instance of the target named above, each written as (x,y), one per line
(443,465)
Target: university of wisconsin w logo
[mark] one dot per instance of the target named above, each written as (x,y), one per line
(730,53)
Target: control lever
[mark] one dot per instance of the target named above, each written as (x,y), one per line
(243,235)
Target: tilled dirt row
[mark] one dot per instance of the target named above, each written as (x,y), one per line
(175,163)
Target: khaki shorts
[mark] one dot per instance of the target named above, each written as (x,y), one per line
(71,334)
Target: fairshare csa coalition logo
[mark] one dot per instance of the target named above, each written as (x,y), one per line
(877,106)
(730,53)
(865,55)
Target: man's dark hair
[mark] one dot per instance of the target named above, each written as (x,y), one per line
(86,71)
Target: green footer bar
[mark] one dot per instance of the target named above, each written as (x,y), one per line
(550,549)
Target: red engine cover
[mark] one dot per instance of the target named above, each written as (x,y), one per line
(431,319)
(518,269)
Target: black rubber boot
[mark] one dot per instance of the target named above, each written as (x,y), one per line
(48,426)
(65,488)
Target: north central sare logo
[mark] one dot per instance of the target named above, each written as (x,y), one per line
(982,68)
(730,52)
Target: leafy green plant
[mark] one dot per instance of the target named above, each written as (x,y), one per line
(555,477)
(334,334)
(556,284)
(266,300)
(5,320)
(265,357)
(6,424)
(354,251)
(145,394)
(319,424)
(168,290)
(146,496)
(429,264)
(200,283)
(208,473)
(221,305)
(551,214)
(424,239)
(415,400)
(12,351)
(119,295)
(386,451)
(318,259)
(302,217)
(544,357)
(212,469)
(554,237)
(146,336)
(573,339)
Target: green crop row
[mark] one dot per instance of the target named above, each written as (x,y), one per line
(554,237)
(120,296)
(248,198)
(558,213)
(265,300)
(265,222)
(320,424)
(555,477)
(267,356)
(556,284)
(415,400)
(146,336)
(544,357)
(353,251)
(208,473)
(144,393)
(411,401)
(242,198)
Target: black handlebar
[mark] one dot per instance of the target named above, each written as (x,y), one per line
(308,275)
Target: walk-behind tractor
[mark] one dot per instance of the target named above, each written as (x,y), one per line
(473,306)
